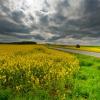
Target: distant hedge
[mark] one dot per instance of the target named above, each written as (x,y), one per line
(23,42)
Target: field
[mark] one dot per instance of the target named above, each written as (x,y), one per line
(86,48)
(87,81)
(34,72)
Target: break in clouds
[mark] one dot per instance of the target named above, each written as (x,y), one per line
(55,21)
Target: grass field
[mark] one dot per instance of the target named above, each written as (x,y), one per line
(87,81)
(34,72)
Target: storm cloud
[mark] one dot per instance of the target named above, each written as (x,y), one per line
(56,21)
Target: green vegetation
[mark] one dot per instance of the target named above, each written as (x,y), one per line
(34,72)
(87,81)
(38,73)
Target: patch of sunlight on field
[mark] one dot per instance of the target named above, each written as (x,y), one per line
(85,48)
(92,49)
(36,71)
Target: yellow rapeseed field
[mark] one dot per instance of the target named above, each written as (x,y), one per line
(92,49)
(26,68)
(85,48)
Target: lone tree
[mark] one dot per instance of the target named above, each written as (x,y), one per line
(77,46)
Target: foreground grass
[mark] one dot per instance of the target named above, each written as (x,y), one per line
(87,81)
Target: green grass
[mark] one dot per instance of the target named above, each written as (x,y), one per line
(87,81)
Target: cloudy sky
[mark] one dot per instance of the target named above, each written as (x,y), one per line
(55,21)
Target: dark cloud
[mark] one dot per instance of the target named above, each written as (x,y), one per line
(17,16)
(50,20)
(8,27)
(39,37)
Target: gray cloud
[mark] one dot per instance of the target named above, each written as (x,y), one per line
(50,20)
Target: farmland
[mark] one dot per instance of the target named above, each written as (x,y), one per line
(87,80)
(34,72)
(86,48)
(82,47)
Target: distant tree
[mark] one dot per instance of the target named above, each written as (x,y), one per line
(77,46)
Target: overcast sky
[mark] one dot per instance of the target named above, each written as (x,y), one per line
(55,21)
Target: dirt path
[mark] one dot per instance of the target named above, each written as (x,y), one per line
(80,52)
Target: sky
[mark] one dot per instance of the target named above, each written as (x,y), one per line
(53,21)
